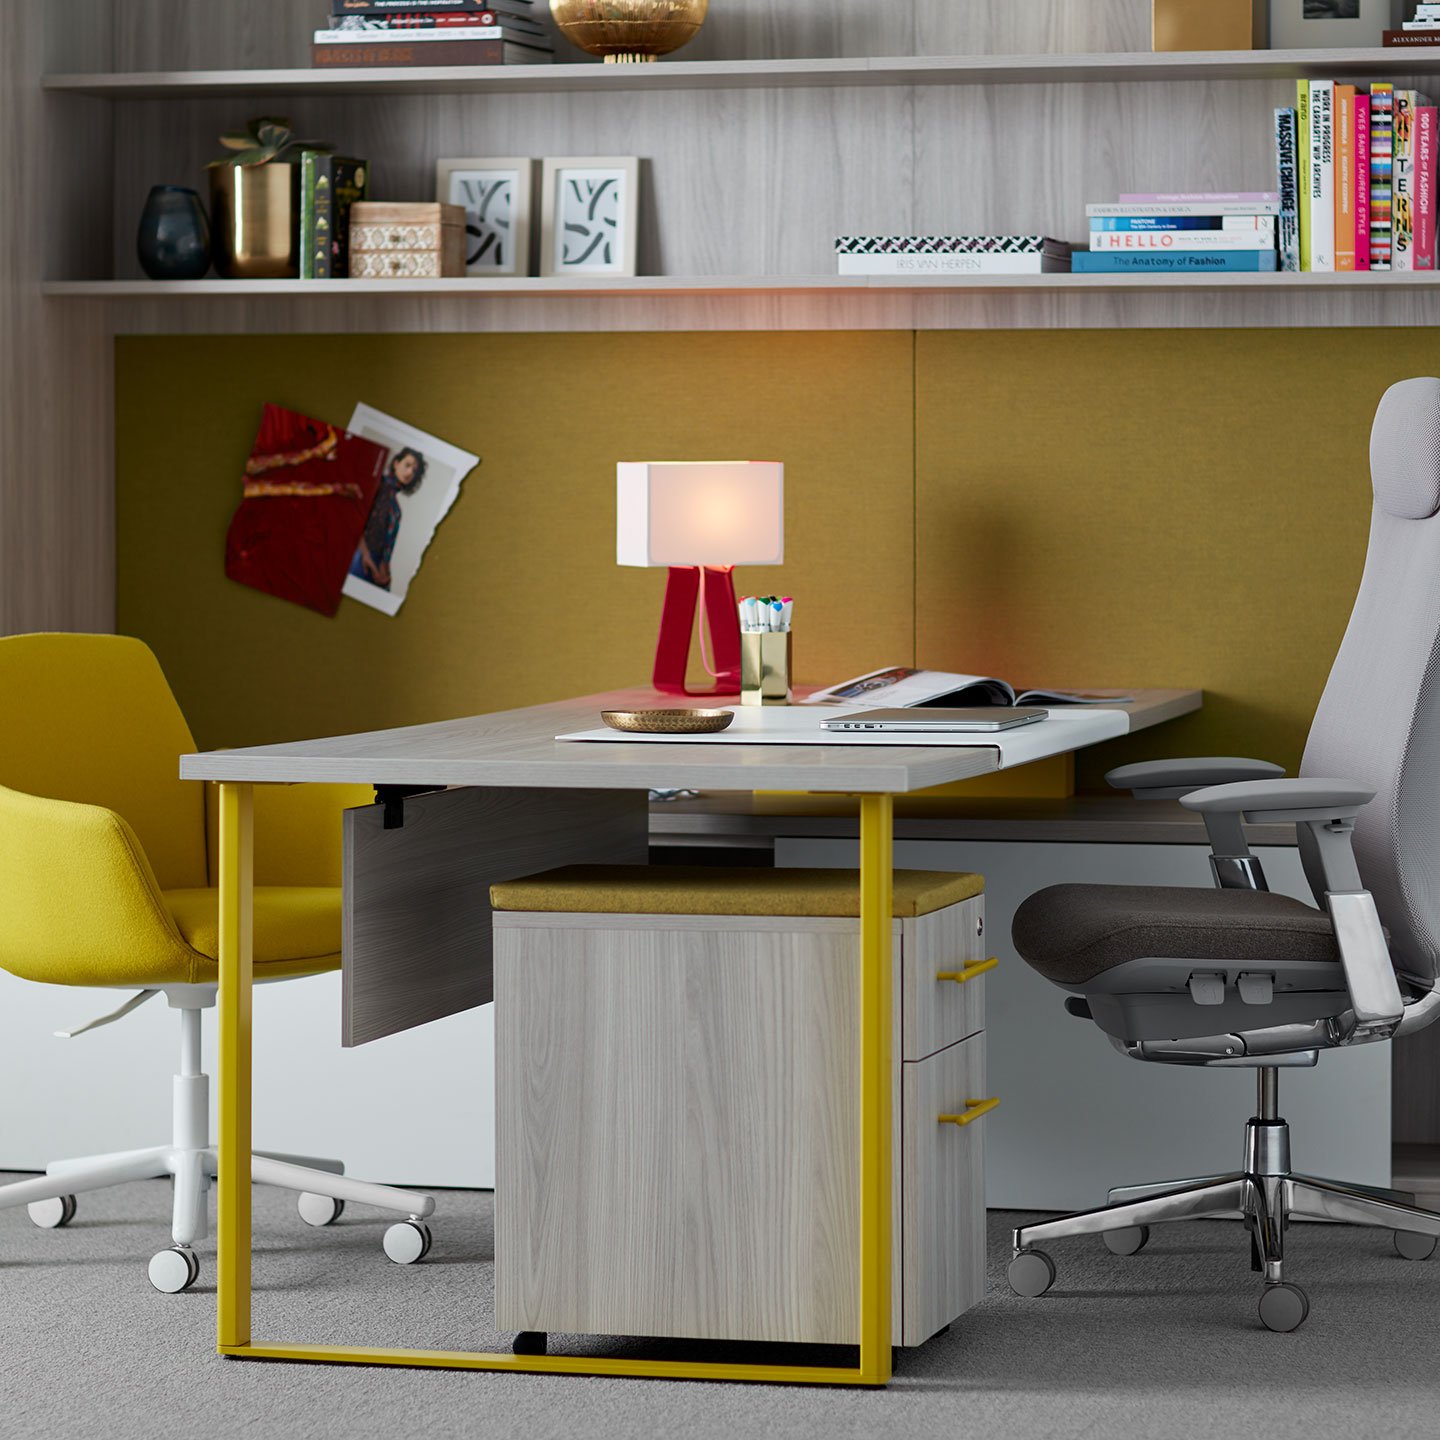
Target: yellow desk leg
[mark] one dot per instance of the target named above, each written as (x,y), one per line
(237,915)
(877,858)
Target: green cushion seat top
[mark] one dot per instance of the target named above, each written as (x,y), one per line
(711,890)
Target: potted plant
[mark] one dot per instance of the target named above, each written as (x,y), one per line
(255,201)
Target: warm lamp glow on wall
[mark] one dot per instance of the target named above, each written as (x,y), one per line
(701,519)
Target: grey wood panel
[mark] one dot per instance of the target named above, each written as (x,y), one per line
(517,747)
(943,1214)
(56,504)
(417,941)
(653,1092)
(937,1013)
(1079,820)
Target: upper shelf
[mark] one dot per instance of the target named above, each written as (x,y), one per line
(1140,66)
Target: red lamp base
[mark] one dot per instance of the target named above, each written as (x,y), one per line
(677,624)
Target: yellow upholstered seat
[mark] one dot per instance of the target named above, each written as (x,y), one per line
(706,890)
(105,861)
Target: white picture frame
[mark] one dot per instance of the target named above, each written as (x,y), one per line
(497,194)
(1292,29)
(589,215)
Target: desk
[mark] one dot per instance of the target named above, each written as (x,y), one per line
(516,750)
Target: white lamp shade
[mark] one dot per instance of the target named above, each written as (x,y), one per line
(729,512)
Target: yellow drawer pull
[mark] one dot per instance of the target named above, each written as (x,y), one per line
(970,971)
(974,1109)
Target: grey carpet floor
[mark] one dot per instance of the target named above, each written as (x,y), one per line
(1163,1344)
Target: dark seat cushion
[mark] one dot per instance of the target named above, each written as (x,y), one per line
(1072,933)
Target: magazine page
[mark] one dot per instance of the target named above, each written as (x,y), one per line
(898,686)
(1074,697)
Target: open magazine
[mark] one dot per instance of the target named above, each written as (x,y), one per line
(899,687)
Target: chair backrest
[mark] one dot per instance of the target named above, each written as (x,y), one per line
(91,718)
(1379,718)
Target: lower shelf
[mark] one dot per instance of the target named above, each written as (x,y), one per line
(650,286)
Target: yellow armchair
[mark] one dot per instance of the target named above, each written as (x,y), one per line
(106,879)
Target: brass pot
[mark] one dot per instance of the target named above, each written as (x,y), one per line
(626,31)
(255,221)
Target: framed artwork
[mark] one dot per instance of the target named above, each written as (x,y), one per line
(496,194)
(1332,24)
(589,209)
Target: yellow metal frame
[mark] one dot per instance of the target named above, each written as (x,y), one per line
(233,1181)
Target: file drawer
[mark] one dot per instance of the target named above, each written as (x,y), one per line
(935,1011)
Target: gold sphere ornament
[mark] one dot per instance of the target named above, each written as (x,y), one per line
(629,31)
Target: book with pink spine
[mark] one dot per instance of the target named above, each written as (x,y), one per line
(1424,176)
(1362,182)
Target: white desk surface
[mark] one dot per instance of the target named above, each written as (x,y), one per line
(519,748)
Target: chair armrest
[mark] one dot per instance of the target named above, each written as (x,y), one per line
(1170,779)
(1326,809)
(1279,801)
(79,903)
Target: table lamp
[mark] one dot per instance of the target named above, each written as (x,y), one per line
(701,519)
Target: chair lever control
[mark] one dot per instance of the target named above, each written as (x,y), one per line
(1256,989)
(1208,988)
(974,1109)
(961,977)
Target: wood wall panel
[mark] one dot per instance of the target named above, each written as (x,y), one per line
(56,502)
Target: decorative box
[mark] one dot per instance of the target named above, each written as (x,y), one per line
(420,241)
(1211,24)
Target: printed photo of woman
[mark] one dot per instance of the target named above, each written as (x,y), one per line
(402,476)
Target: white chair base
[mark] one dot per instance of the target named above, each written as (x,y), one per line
(322,1186)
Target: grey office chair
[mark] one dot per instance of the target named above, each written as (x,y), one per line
(1236,976)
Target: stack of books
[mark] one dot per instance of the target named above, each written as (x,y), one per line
(1424,29)
(1182,231)
(432,32)
(1357,178)
(951,255)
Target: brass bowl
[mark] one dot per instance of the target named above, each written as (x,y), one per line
(626,31)
(668,722)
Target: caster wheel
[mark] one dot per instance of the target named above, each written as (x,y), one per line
(1031,1273)
(319,1209)
(530,1342)
(175,1269)
(1408,1245)
(1283,1307)
(1129,1241)
(52,1214)
(408,1242)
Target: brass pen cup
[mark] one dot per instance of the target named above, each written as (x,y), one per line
(765,667)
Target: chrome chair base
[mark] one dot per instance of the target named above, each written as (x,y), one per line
(1266,1194)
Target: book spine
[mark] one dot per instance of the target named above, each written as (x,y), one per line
(324,217)
(1403,38)
(1184,222)
(1425,118)
(402,53)
(1289,182)
(1382,100)
(1402,182)
(1152,240)
(450,34)
(956,264)
(307,213)
(350,181)
(1322,176)
(1191,197)
(1302,156)
(1133,208)
(394,7)
(1345,177)
(429,20)
(1087,262)
(1362,182)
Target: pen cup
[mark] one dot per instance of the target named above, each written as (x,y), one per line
(765,667)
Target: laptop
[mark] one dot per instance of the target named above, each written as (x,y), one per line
(935,720)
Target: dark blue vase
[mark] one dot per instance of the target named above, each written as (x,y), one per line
(173,242)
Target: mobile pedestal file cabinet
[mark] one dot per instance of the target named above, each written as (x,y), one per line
(677,1128)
